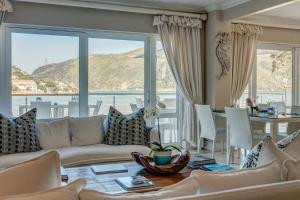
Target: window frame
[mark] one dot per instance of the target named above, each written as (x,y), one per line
(83,35)
(295,49)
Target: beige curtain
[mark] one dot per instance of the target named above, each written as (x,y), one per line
(181,40)
(244,38)
(5,6)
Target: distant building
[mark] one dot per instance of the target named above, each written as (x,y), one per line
(25,85)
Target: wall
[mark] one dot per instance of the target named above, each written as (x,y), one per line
(65,16)
(217,91)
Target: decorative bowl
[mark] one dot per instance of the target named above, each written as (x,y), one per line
(178,162)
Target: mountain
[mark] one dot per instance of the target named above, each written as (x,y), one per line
(108,71)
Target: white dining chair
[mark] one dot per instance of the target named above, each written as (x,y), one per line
(208,128)
(43,109)
(97,108)
(133,107)
(240,132)
(73,109)
(139,102)
(279,105)
(293,126)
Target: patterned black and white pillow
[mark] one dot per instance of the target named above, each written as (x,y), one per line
(285,142)
(18,135)
(126,129)
(252,158)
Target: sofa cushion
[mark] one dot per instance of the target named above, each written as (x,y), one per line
(263,153)
(86,130)
(188,186)
(54,134)
(99,153)
(291,144)
(126,129)
(18,134)
(69,192)
(218,181)
(277,191)
(36,175)
(291,170)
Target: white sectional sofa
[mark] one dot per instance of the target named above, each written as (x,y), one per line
(86,151)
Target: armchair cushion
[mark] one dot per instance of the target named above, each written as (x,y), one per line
(69,192)
(35,175)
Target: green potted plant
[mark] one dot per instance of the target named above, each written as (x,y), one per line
(162,155)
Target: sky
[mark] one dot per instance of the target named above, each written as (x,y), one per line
(29,51)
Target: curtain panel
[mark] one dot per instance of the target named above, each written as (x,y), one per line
(181,40)
(244,39)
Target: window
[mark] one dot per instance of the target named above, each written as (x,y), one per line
(65,72)
(166,94)
(44,74)
(116,74)
(274,76)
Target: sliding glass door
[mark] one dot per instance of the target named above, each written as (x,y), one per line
(116,74)
(44,74)
(65,72)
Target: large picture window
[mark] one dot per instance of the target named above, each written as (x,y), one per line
(79,73)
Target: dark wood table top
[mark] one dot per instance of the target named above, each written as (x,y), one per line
(106,183)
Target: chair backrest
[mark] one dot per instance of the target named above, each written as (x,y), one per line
(170,102)
(133,107)
(73,110)
(43,109)
(207,123)
(293,126)
(239,127)
(280,106)
(97,108)
(139,102)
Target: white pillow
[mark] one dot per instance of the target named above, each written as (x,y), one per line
(291,145)
(54,134)
(264,153)
(86,131)
(291,170)
(69,192)
(188,186)
(219,181)
(39,174)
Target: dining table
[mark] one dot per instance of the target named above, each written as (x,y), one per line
(272,119)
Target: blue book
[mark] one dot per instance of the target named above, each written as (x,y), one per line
(217,167)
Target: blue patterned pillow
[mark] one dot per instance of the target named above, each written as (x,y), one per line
(18,135)
(285,142)
(126,129)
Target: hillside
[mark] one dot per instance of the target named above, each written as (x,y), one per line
(113,71)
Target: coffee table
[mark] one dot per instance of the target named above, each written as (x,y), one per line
(105,182)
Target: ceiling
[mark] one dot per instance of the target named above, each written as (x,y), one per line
(284,16)
(175,5)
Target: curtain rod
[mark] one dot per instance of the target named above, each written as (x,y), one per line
(103,6)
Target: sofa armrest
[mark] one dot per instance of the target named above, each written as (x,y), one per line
(154,135)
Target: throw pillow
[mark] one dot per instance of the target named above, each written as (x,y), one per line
(18,135)
(291,170)
(126,130)
(219,181)
(188,186)
(69,192)
(87,130)
(42,173)
(263,153)
(54,134)
(291,144)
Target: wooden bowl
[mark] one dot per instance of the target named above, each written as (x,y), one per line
(178,162)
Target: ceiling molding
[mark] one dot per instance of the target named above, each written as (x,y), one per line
(252,7)
(225,5)
(104,6)
(271,21)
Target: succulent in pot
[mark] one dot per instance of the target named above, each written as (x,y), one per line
(162,155)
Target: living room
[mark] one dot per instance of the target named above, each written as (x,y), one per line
(141,99)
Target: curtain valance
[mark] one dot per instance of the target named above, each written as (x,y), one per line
(179,21)
(247,29)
